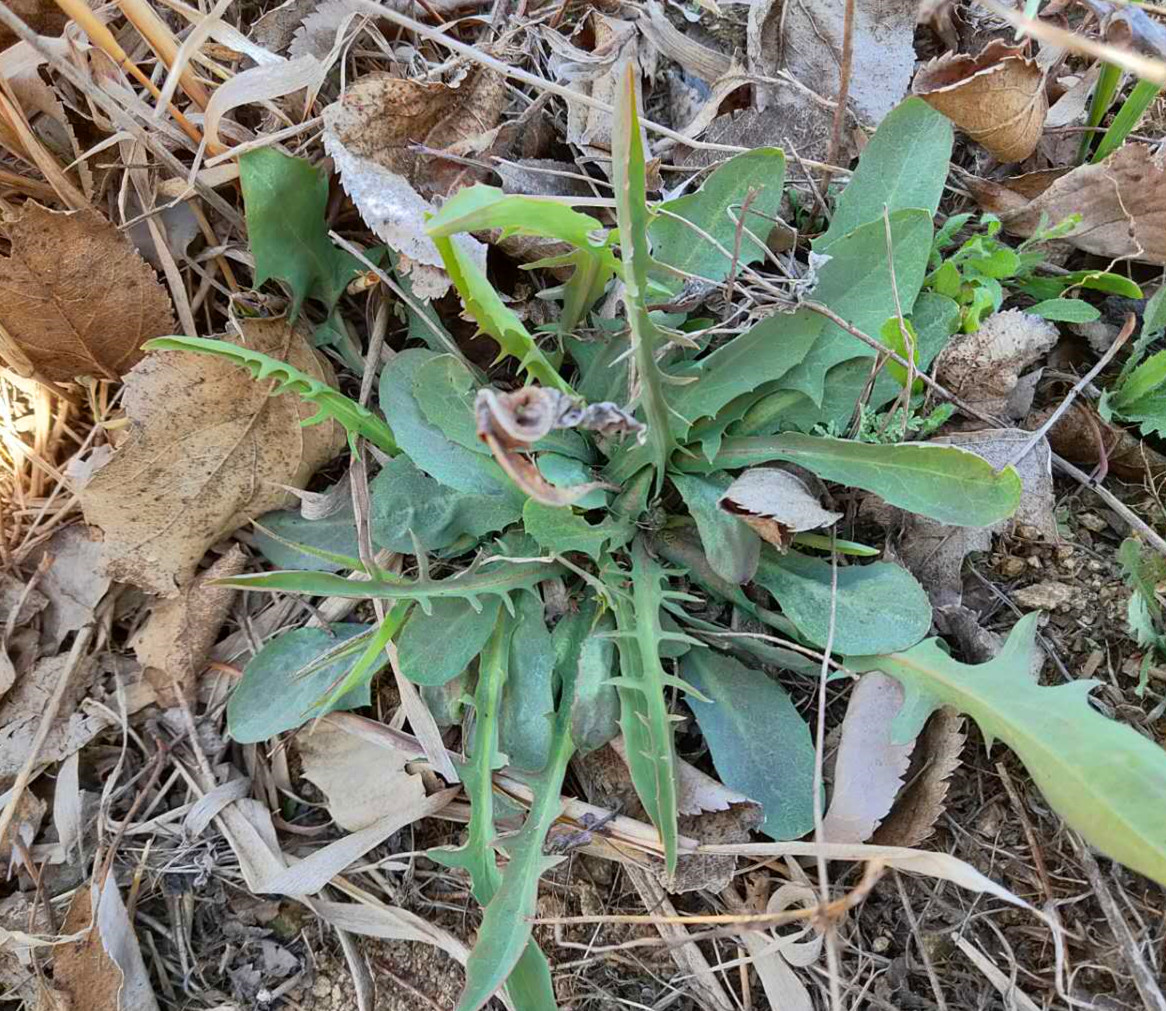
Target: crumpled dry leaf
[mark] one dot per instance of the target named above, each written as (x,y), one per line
(510,423)
(23,829)
(201,424)
(997,98)
(983,368)
(806,40)
(361,782)
(1122,203)
(921,802)
(776,952)
(105,970)
(318,32)
(869,767)
(935,552)
(594,73)
(21,710)
(369,134)
(776,503)
(76,297)
(173,644)
(13,594)
(73,584)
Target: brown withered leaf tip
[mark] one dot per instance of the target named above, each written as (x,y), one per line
(997,98)
(385,118)
(75,296)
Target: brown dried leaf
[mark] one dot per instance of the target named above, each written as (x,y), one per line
(936,757)
(173,644)
(362,782)
(1083,437)
(983,368)
(997,98)
(1122,203)
(76,297)
(42,16)
(73,584)
(382,118)
(776,503)
(207,450)
(869,767)
(104,971)
(511,422)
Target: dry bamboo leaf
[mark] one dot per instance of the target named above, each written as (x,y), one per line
(362,782)
(983,368)
(1122,203)
(776,503)
(207,450)
(869,766)
(919,805)
(76,297)
(173,644)
(997,98)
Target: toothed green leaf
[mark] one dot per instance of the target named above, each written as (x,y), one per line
(1106,780)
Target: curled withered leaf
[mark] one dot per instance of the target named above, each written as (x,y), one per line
(511,422)
(776,503)
(997,98)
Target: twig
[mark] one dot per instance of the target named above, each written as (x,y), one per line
(928,965)
(819,759)
(1038,857)
(1144,976)
(1075,392)
(843,82)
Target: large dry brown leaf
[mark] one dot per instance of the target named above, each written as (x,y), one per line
(997,98)
(174,643)
(76,297)
(73,583)
(1122,203)
(208,449)
(104,971)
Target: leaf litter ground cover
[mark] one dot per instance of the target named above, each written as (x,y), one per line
(558,508)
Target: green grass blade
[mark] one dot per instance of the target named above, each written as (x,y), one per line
(371,659)
(331,403)
(1106,780)
(1127,118)
(1104,93)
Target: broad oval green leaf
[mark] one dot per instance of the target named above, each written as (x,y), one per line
(434,648)
(715,209)
(1106,780)
(335,534)
(880,607)
(944,483)
(904,165)
(759,742)
(270,699)
(1065,310)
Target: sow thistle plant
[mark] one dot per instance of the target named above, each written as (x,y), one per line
(646,474)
